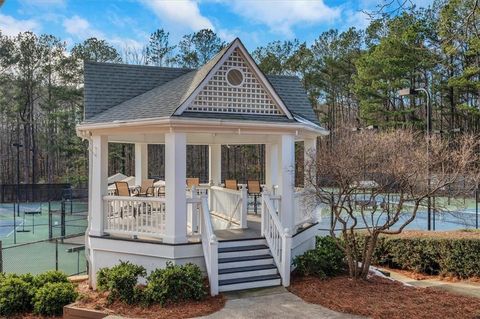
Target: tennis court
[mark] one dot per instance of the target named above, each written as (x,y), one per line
(39,221)
(41,236)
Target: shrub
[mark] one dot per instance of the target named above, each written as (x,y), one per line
(15,296)
(51,276)
(325,260)
(120,281)
(458,257)
(175,283)
(50,299)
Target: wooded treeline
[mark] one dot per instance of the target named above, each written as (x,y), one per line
(352,78)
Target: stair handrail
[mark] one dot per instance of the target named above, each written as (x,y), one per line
(210,246)
(279,239)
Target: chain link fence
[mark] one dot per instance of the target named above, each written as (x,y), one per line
(64,254)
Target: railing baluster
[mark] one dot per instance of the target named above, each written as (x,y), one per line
(135,216)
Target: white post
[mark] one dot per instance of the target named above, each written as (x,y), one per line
(175,188)
(271,166)
(286,258)
(309,159)
(244,207)
(215,164)
(194,209)
(287,180)
(98,183)
(141,163)
(214,266)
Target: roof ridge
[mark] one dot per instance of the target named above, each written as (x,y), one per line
(283,76)
(137,65)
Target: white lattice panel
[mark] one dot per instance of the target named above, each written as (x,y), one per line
(250,97)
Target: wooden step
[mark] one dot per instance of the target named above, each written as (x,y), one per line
(249,271)
(249,282)
(244,261)
(240,251)
(241,242)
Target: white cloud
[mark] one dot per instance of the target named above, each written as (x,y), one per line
(282,16)
(126,43)
(185,13)
(81,28)
(11,26)
(357,19)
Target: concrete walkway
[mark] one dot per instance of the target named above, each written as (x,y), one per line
(459,288)
(272,303)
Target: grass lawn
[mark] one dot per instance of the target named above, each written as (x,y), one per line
(384,298)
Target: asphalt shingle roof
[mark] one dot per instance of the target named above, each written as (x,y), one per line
(109,84)
(119,92)
(291,91)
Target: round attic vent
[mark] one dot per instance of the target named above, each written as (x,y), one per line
(234,77)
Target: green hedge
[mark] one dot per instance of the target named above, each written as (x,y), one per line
(326,260)
(121,281)
(458,257)
(50,298)
(175,283)
(20,293)
(170,284)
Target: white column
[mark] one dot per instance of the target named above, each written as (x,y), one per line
(175,188)
(271,166)
(215,164)
(309,159)
(287,180)
(98,183)
(141,163)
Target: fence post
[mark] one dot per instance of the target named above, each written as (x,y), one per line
(56,254)
(1,257)
(331,211)
(476,207)
(62,220)
(50,221)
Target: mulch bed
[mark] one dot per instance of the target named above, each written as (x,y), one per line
(420,276)
(383,298)
(96,300)
(460,234)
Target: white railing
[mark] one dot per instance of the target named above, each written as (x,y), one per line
(210,246)
(193,210)
(230,205)
(134,215)
(278,239)
(304,210)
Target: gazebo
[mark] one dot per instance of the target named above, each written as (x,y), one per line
(228,101)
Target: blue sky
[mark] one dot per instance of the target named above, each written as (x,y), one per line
(129,22)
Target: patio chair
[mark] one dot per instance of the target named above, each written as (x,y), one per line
(161,191)
(146,189)
(231,184)
(193,181)
(254,189)
(123,189)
